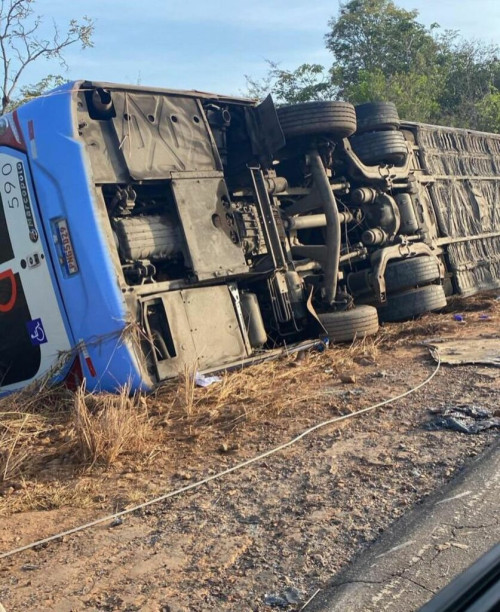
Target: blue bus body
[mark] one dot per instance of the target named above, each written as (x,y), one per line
(80,305)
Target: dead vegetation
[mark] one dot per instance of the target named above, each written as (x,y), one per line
(481,303)
(54,438)
(105,426)
(441,323)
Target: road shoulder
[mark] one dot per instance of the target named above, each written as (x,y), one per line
(426,548)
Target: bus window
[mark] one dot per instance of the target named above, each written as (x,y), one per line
(19,354)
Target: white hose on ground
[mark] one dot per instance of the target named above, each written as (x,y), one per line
(238,466)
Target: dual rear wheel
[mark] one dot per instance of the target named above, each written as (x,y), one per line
(412,291)
(377,138)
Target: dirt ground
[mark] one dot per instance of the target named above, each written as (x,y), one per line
(269,535)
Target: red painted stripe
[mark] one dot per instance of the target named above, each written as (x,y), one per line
(90,366)
(19,130)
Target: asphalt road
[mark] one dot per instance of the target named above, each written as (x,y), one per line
(425,549)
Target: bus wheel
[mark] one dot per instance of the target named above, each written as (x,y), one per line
(411,303)
(347,325)
(408,273)
(329,118)
(374,116)
(374,148)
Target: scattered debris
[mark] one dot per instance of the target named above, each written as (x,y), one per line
(228,448)
(459,317)
(363,361)
(116,522)
(468,350)
(290,597)
(467,418)
(322,344)
(275,601)
(183,475)
(205,381)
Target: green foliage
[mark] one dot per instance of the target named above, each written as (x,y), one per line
(35,90)
(382,52)
(410,92)
(371,35)
(307,82)
(488,112)
(472,71)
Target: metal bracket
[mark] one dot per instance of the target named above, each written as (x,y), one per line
(378,173)
(269,227)
(235,295)
(381,258)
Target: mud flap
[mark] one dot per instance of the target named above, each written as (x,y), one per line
(321,331)
(265,130)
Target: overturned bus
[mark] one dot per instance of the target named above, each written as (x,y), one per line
(144,231)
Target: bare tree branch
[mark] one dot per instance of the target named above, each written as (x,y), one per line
(21,45)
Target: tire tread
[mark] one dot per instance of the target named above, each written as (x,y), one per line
(345,326)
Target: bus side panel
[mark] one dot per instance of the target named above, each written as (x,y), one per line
(466,196)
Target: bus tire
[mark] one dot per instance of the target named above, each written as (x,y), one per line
(374,116)
(335,119)
(411,303)
(347,325)
(408,273)
(375,148)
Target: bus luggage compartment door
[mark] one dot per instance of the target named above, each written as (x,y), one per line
(194,328)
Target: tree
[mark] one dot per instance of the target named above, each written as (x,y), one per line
(472,74)
(414,94)
(382,52)
(307,82)
(376,35)
(23,42)
(488,112)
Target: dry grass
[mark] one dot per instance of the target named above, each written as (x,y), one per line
(290,386)
(187,387)
(428,326)
(26,418)
(13,453)
(482,302)
(51,437)
(441,324)
(54,495)
(106,426)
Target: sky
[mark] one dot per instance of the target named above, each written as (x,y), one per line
(211,45)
